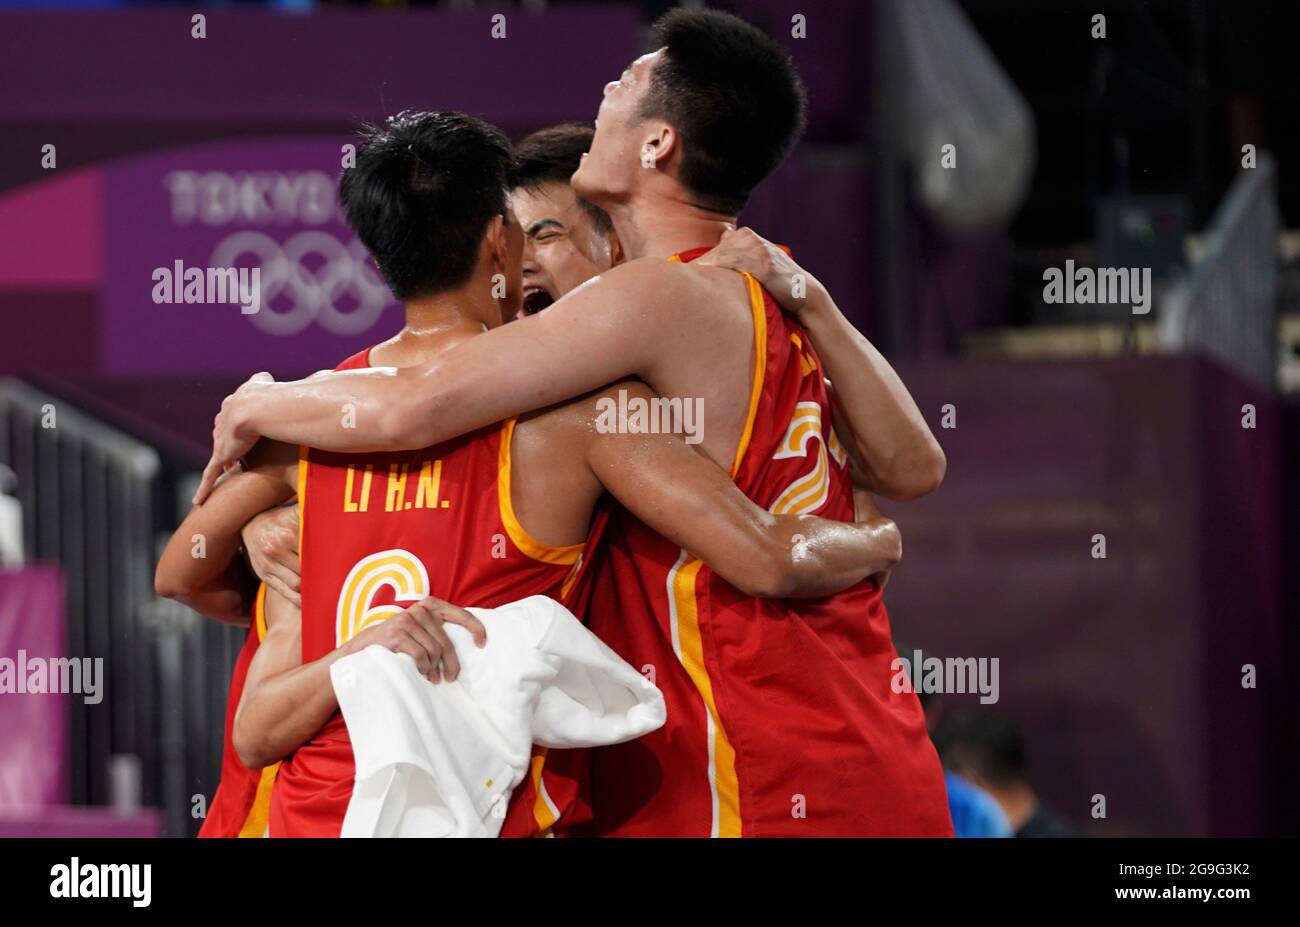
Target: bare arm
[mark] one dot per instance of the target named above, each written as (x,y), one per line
(199,565)
(603,331)
(286,702)
(894,452)
(679,492)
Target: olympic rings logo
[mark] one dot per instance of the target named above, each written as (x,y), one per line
(311,294)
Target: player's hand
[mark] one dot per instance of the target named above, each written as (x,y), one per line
(418,632)
(864,509)
(229,441)
(746,251)
(271,542)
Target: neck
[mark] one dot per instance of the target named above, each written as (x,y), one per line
(660,227)
(469,307)
(434,323)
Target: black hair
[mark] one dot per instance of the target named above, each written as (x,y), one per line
(733,95)
(421,195)
(552,155)
(987,744)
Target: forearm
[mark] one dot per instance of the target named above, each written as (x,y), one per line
(228,598)
(280,713)
(347,410)
(200,564)
(886,434)
(828,556)
(593,336)
(786,556)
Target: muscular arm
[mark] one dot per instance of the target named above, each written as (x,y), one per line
(682,494)
(893,450)
(605,330)
(199,565)
(285,702)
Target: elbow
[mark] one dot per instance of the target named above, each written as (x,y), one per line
(768,586)
(916,475)
(249,747)
(166,586)
(772,574)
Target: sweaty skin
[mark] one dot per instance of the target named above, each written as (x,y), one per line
(562,248)
(563,463)
(685,330)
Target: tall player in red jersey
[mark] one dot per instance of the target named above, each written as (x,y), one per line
(681,139)
(488,518)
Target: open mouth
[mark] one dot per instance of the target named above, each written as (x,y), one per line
(535,300)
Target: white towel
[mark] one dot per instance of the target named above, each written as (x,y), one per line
(441,760)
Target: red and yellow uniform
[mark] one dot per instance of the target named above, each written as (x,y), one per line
(239,807)
(781,717)
(380,531)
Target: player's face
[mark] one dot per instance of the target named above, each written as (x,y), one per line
(608,172)
(562,248)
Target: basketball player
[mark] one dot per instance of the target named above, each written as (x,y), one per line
(489,518)
(781,719)
(567,240)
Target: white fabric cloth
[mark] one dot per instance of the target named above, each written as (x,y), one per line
(441,760)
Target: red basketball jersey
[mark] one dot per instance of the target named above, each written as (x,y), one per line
(239,807)
(781,717)
(380,531)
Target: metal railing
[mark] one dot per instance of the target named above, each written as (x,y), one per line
(1227,305)
(91,496)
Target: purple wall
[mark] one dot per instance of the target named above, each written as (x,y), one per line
(1125,673)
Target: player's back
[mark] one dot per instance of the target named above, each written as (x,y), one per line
(380,531)
(781,716)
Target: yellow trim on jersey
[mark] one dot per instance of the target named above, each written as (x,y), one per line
(724,785)
(546,553)
(255,822)
(571,580)
(259,613)
(258,815)
(302,492)
(759,310)
(545,814)
(688,642)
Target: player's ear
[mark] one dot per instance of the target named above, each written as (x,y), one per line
(659,144)
(497,245)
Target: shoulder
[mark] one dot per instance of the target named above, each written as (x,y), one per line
(657,282)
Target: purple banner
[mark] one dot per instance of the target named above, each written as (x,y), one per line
(301,292)
(33,718)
